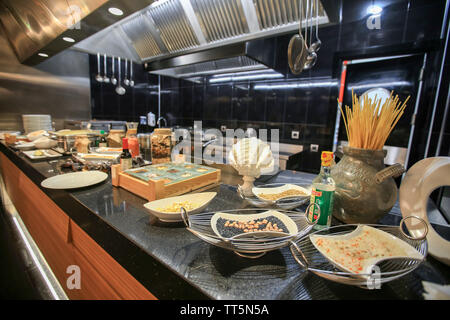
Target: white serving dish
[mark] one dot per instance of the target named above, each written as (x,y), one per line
(288,222)
(45,143)
(36,135)
(46,154)
(203,199)
(74,180)
(24,146)
(108,150)
(258,191)
(98,156)
(367,264)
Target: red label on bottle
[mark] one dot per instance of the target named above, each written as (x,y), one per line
(316,193)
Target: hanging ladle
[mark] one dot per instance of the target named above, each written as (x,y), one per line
(131,74)
(98,77)
(105,64)
(313,47)
(119,89)
(297,48)
(125,80)
(113,76)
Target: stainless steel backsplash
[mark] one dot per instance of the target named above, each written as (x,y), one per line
(59,86)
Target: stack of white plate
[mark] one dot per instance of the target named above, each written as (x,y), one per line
(35,122)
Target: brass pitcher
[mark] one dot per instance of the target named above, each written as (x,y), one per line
(365,188)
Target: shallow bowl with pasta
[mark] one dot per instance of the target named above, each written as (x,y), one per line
(169,209)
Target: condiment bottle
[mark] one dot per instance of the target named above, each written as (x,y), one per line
(322,193)
(126,161)
(103,142)
(133,142)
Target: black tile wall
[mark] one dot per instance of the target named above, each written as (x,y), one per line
(309,108)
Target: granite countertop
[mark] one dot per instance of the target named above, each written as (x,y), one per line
(172,263)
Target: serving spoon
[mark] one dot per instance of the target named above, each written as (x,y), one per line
(105,77)
(98,77)
(119,89)
(113,76)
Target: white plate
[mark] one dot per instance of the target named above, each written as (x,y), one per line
(74,180)
(98,156)
(25,146)
(258,191)
(202,199)
(46,154)
(288,222)
(367,263)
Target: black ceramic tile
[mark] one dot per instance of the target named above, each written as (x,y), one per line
(257,105)
(296,106)
(211,103)
(224,103)
(275,104)
(240,101)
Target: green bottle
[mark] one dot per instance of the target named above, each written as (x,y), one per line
(322,193)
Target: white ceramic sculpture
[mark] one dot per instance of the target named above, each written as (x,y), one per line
(249,156)
(421,179)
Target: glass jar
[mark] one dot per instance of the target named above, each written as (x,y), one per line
(161,142)
(82,144)
(133,142)
(115,138)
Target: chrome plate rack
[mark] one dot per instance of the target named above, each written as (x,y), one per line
(312,260)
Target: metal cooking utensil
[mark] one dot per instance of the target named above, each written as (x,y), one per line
(312,55)
(113,76)
(98,77)
(119,89)
(105,64)
(125,80)
(131,74)
(297,48)
(316,45)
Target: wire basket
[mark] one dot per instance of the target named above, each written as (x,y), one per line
(306,254)
(247,245)
(287,203)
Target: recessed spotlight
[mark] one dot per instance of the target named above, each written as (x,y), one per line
(115,11)
(43,54)
(68,39)
(373,9)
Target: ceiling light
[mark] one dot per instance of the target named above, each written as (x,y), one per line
(68,39)
(115,11)
(43,55)
(374,9)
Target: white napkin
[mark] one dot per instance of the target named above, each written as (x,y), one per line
(435,291)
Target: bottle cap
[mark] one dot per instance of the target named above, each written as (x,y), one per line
(327,158)
(124,143)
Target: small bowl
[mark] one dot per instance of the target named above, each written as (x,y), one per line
(202,199)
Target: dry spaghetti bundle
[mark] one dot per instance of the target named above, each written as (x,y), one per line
(368,123)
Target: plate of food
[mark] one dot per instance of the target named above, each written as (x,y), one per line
(269,223)
(272,194)
(358,251)
(169,209)
(42,154)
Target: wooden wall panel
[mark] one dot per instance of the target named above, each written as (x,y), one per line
(101,276)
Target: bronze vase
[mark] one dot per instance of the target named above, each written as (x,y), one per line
(365,189)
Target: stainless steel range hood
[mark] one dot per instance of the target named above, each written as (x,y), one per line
(170,36)
(36,28)
(157,33)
